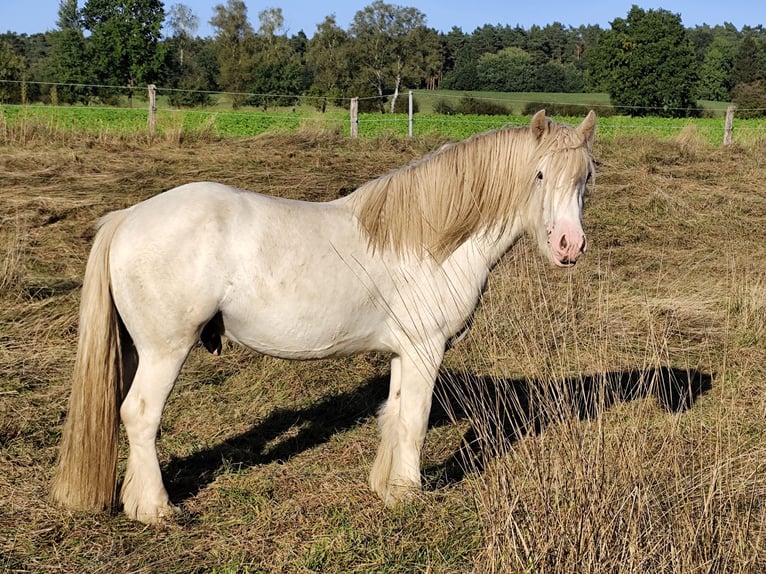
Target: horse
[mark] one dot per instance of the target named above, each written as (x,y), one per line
(396,267)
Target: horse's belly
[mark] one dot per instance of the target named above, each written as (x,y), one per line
(308,329)
(298,349)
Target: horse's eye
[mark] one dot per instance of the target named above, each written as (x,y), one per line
(539,175)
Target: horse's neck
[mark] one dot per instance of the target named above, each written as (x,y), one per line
(496,243)
(474,259)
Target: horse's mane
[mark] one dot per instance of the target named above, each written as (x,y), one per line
(435,204)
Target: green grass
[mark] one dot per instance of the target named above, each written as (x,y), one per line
(193,124)
(219,121)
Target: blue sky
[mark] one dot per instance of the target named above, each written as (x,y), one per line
(30,16)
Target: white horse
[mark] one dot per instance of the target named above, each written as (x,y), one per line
(398,267)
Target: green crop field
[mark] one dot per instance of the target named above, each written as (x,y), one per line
(219,120)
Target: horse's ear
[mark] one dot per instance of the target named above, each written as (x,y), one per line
(587,129)
(539,125)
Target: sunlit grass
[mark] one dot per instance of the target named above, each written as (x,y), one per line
(608,418)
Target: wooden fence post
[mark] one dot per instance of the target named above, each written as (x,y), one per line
(152,109)
(354,117)
(409,129)
(729,126)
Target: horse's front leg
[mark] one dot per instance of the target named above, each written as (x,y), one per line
(144,496)
(403,422)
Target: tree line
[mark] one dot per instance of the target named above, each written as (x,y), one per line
(647,61)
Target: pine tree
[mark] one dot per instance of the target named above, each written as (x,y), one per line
(748,66)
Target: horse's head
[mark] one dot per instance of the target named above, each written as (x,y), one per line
(562,168)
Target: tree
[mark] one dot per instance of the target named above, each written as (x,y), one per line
(327,55)
(383,41)
(716,72)
(510,70)
(272,23)
(491,39)
(234,38)
(69,65)
(466,50)
(647,64)
(750,99)
(183,24)
(554,76)
(11,74)
(460,62)
(748,65)
(125,38)
(277,68)
(184,60)
(552,43)
(426,68)
(68,16)
(452,45)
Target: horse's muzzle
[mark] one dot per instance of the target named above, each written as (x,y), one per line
(567,242)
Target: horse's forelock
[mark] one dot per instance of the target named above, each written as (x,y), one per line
(567,153)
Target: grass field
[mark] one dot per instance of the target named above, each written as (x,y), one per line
(609,418)
(220,121)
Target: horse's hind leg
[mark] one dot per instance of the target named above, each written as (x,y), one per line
(143,493)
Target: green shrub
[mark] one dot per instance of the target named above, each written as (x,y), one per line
(402,105)
(750,99)
(471,106)
(567,110)
(443,107)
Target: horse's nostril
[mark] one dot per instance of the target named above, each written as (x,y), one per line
(564,243)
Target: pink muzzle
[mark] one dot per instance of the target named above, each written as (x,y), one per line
(567,242)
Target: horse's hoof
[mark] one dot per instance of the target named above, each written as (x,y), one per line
(169,513)
(165,514)
(400,493)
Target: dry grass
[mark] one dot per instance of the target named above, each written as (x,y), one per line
(607,419)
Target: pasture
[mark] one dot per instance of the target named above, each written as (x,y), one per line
(607,418)
(22,123)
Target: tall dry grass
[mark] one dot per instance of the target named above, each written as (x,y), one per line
(607,419)
(12,245)
(589,448)
(620,426)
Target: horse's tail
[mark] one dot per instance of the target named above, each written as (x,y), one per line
(86,478)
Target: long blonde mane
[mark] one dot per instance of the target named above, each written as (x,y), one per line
(436,203)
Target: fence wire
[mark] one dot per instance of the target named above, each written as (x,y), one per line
(371,124)
(344,100)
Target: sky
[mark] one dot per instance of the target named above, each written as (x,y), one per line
(32,16)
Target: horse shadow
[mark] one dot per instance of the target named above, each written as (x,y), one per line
(522,414)
(525,407)
(275,438)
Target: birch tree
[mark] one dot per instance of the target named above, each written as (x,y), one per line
(382,36)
